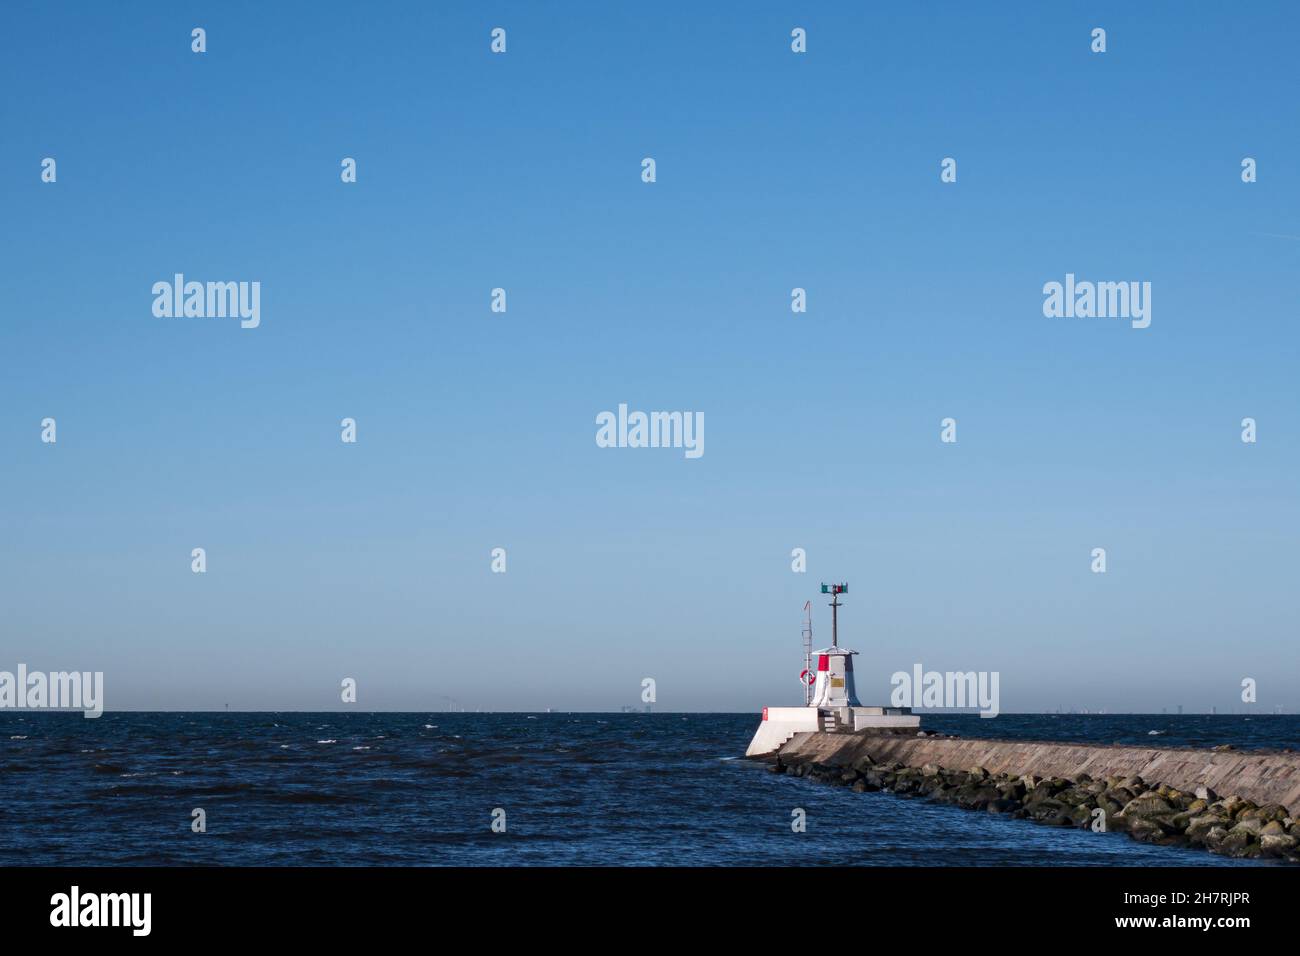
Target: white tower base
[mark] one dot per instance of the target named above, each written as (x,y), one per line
(781,723)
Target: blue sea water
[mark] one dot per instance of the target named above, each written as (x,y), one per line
(581,788)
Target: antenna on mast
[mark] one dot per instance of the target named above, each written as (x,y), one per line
(835,590)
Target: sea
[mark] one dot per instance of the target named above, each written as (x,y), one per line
(513,789)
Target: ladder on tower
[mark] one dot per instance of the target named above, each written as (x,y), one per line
(807,653)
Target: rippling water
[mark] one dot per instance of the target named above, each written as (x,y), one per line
(420,789)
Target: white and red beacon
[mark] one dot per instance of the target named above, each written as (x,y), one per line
(832,706)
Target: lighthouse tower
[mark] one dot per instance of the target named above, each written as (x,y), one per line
(832,706)
(834,687)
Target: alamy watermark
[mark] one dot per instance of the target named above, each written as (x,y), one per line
(57,690)
(75,908)
(652,430)
(209,300)
(1102,300)
(923,688)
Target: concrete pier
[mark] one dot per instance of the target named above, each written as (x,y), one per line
(1262,777)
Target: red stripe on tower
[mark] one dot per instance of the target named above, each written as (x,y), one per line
(823,662)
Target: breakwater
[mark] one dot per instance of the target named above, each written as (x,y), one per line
(1238,803)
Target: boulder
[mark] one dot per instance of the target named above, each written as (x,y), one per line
(1234,843)
(1251,827)
(1072,796)
(1230,805)
(930,785)
(1012,790)
(1273,844)
(1045,807)
(1148,831)
(1147,805)
(1109,805)
(1199,826)
(1206,794)
(1266,813)
(906,784)
(1214,837)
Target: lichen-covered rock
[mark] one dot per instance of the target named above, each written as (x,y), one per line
(1251,826)
(1148,831)
(1234,843)
(1201,824)
(1214,837)
(1074,796)
(1266,813)
(1273,844)
(1147,805)
(1110,806)
(1233,805)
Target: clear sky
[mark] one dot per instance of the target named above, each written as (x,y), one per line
(476,430)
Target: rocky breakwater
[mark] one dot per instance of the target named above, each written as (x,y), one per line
(1145,810)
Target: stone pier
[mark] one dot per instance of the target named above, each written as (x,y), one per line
(1263,777)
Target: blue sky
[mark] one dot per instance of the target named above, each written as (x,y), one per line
(476,430)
